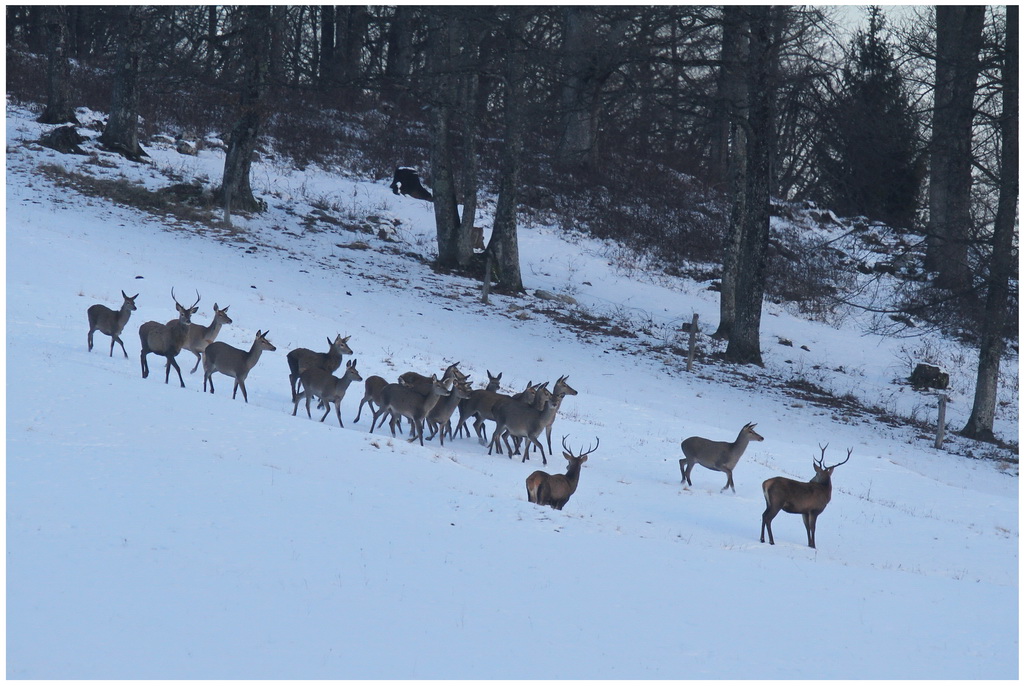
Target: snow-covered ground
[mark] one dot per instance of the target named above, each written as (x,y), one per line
(159,532)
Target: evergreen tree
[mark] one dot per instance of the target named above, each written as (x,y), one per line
(867,156)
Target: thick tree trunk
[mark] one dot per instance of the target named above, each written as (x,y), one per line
(993,343)
(588,59)
(957,44)
(58,69)
(237,191)
(400,47)
(745,338)
(504,243)
(730,94)
(446,211)
(328,63)
(121,134)
(734,110)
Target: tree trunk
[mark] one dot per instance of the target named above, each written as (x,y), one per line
(744,340)
(504,243)
(958,38)
(588,59)
(444,95)
(735,112)
(979,425)
(236,188)
(58,69)
(730,94)
(327,59)
(400,47)
(121,134)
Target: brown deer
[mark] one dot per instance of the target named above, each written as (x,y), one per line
(402,401)
(555,490)
(421,384)
(371,395)
(327,387)
(439,417)
(514,418)
(719,456)
(559,391)
(166,339)
(481,404)
(200,336)
(230,361)
(111,322)
(797,497)
(301,359)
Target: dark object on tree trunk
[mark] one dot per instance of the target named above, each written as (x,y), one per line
(65,139)
(927,376)
(407,182)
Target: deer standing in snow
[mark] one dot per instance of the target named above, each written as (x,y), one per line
(807,499)
(111,322)
(166,339)
(719,456)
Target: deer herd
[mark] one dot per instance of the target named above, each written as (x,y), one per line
(430,402)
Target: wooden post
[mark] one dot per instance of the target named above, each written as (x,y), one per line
(941,432)
(693,342)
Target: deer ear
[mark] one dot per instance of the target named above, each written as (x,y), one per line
(583,459)
(568,456)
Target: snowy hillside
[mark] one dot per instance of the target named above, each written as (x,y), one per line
(160,532)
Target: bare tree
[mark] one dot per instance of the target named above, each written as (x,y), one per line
(121,134)
(255,52)
(993,341)
(765,25)
(58,69)
(504,243)
(958,39)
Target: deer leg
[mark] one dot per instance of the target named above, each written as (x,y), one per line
(240,383)
(208,376)
(90,339)
(809,525)
(728,482)
(337,411)
(167,371)
(113,338)
(308,398)
(766,522)
(686,474)
(121,343)
(145,367)
(199,358)
(295,409)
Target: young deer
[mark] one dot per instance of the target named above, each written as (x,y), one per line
(559,391)
(481,404)
(301,359)
(200,336)
(111,322)
(555,490)
(402,401)
(327,387)
(421,384)
(514,418)
(719,456)
(230,361)
(371,395)
(439,417)
(797,497)
(167,339)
